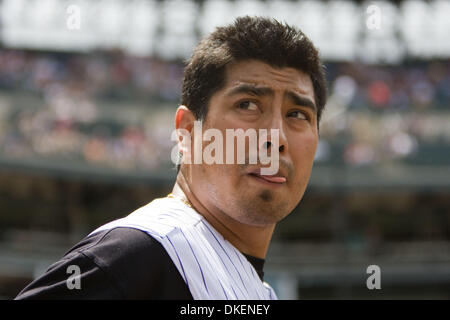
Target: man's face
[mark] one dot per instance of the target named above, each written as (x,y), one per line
(259,96)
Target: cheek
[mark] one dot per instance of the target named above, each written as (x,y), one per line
(219,184)
(220,176)
(303,152)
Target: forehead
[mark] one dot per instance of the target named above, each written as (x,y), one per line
(260,73)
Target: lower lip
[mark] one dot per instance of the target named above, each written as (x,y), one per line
(268,183)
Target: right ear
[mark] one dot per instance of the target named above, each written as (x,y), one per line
(184,118)
(184,124)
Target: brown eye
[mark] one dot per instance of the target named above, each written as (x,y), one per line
(248,105)
(298,115)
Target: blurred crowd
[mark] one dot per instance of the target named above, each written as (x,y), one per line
(411,86)
(384,114)
(68,116)
(375,113)
(100,75)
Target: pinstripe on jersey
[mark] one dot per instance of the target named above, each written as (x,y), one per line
(210,265)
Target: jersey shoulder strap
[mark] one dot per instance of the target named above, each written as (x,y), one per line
(211,267)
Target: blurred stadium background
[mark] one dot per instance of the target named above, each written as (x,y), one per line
(87,108)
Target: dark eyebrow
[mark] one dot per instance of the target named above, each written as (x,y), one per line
(301,101)
(262,91)
(251,89)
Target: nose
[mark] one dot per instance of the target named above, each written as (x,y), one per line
(268,144)
(277,124)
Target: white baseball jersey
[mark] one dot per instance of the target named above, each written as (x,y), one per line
(210,265)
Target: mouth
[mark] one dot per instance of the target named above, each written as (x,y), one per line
(274,180)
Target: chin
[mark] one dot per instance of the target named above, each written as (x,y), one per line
(262,220)
(262,214)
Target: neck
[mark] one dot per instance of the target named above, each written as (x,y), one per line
(248,239)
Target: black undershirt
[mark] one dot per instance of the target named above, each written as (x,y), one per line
(121,263)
